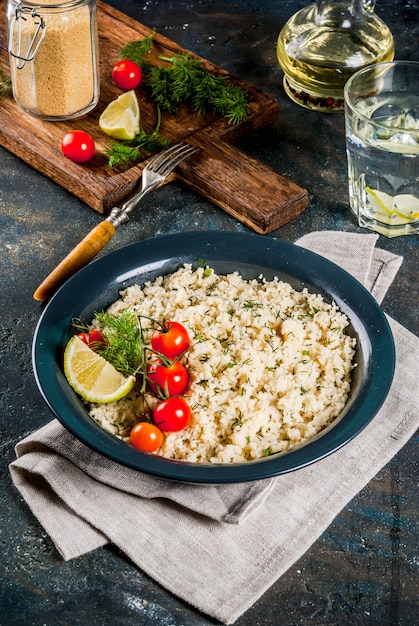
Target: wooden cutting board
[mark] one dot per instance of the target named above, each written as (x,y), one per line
(244,187)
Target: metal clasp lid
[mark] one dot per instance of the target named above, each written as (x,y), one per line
(37,38)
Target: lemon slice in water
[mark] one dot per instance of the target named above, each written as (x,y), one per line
(91,376)
(121,118)
(404,207)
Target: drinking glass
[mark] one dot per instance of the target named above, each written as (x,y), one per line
(382,144)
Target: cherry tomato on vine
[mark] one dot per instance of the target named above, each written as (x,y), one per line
(78,146)
(146,437)
(172,415)
(126,74)
(94,339)
(169,379)
(172,340)
(84,337)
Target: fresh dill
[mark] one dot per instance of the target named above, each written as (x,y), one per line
(137,51)
(185,79)
(5,84)
(125,346)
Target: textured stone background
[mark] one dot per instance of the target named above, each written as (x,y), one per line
(362,570)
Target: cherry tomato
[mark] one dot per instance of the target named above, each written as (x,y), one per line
(172,415)
(172,340)
(146,437)
(94,339)
(84,337)
(169,379)
(78,146)
(126,74)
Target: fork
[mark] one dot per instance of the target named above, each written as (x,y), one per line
(153,175)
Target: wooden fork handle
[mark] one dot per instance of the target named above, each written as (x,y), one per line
(80,256)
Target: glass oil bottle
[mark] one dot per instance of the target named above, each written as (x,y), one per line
(323,44)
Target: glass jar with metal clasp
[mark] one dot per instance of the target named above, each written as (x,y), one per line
(53,52)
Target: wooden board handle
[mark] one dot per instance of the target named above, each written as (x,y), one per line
(80,256)
(243,186)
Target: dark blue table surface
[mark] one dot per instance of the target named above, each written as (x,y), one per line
(364,568)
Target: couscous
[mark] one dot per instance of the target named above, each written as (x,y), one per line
(269,366)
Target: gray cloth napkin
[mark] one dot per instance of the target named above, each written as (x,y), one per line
(231,542)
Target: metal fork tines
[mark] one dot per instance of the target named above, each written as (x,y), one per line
(154,173)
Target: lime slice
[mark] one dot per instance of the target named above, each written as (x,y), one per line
(91,376)
(121,118)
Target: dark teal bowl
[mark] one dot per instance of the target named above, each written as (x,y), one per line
(98,285)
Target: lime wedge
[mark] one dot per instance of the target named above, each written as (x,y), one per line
(91,376)
(121,118)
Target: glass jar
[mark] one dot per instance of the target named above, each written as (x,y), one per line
(322,45)
(53,52)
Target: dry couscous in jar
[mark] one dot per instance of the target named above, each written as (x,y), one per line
(53,52)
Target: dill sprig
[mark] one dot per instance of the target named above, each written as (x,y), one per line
(137,51)
(128,152)
(185,79)
(5,84)
(125,346)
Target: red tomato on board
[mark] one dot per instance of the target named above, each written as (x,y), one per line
(172,415)
(126,74)
(146,437)
(167,380)
(172,340)
(78,146)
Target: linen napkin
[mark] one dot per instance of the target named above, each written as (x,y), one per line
(231,542)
